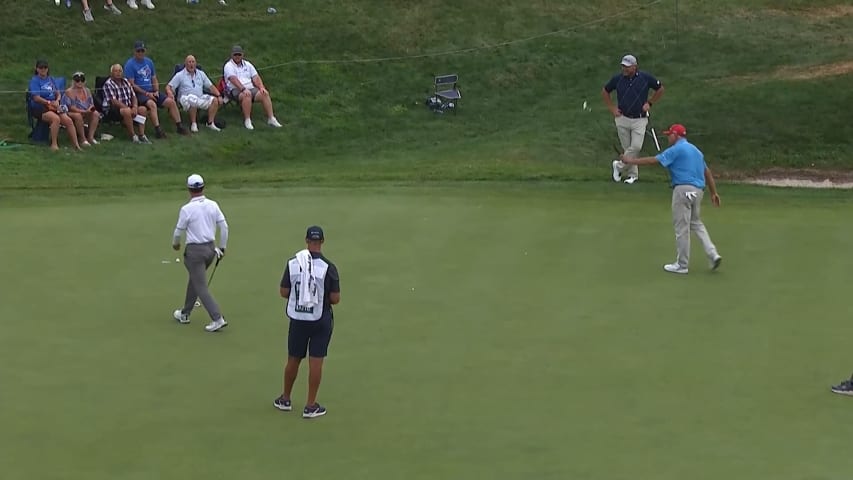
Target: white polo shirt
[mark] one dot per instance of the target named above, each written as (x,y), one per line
(244,72)
(199,219)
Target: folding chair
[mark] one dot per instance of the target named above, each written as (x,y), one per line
(446,88)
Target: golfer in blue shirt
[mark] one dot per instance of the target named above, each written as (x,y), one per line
(689,176)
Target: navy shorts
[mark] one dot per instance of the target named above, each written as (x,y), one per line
(143,100)
(309,338)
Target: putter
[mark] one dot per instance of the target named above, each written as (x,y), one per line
(654,134)
(210,279)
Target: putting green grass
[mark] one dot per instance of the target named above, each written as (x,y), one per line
(506,332)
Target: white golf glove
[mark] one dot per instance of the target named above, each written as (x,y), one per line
(220,252)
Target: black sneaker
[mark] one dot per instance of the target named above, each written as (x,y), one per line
(843,388)
(282,404)
(159,133)
(182,130)
(313,411)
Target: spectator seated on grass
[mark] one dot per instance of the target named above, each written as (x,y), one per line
(124,106)
(189,85)
(140,70)
(246,86)
(45,97)
(81,109)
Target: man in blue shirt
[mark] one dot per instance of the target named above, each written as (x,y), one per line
(631,113)
(139,70)
(688,175)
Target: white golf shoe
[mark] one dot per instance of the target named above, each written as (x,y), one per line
(181,317)
(675,268)
(216,325)
(617,176)
(716,261)
(630,180)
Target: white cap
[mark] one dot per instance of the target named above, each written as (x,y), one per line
(195,181)
(629,61)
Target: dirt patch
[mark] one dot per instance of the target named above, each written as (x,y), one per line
(805,178)
(799,72)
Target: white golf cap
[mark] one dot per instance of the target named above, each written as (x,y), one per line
(195,181)
(629,61)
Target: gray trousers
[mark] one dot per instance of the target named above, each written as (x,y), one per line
(197,257)
(632,132)
(686,201)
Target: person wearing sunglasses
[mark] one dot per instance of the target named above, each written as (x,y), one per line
(81,109)
(139,70)
(246,86)
(46,105)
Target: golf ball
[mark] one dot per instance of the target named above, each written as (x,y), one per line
(177,260)
(584,105)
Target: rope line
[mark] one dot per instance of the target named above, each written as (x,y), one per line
(438,54)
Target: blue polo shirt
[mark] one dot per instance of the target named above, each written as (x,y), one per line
(45,88)
(685,162)
(632,92)
(141,72)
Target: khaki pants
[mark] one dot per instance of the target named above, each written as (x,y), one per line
(632,132)
(686,201)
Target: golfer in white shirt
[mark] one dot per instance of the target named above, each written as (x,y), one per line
(199,219)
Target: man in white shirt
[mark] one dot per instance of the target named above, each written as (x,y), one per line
(189,84)
(245,86)
(199,219)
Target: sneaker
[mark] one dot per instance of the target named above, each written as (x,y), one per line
(67,3)
(132,4)
(147,4)
(87,16)
(630,180)
(216,325)
(181,129)
(144,139)
(617,176)
(213,127)
(248,124)
(222,2)
(136,139)
(314,411)
(112,9)
(180,316)
(674,268)
(194,127)
(85,143)
(273,122)
(56,2)
(159,133)
(843,388)
(94,142)
(715,262)
(282,404)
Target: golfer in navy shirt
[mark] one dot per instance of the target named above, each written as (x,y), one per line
(631,113)
(689,176)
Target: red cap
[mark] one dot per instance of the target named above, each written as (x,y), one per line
(676,129)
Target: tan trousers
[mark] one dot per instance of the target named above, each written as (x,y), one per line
(686,201)
(632,132)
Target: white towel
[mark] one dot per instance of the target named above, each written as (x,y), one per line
(308,294)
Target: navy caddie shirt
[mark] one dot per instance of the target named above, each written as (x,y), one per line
(632,92)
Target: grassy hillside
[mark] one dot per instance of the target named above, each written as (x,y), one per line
(759,83)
